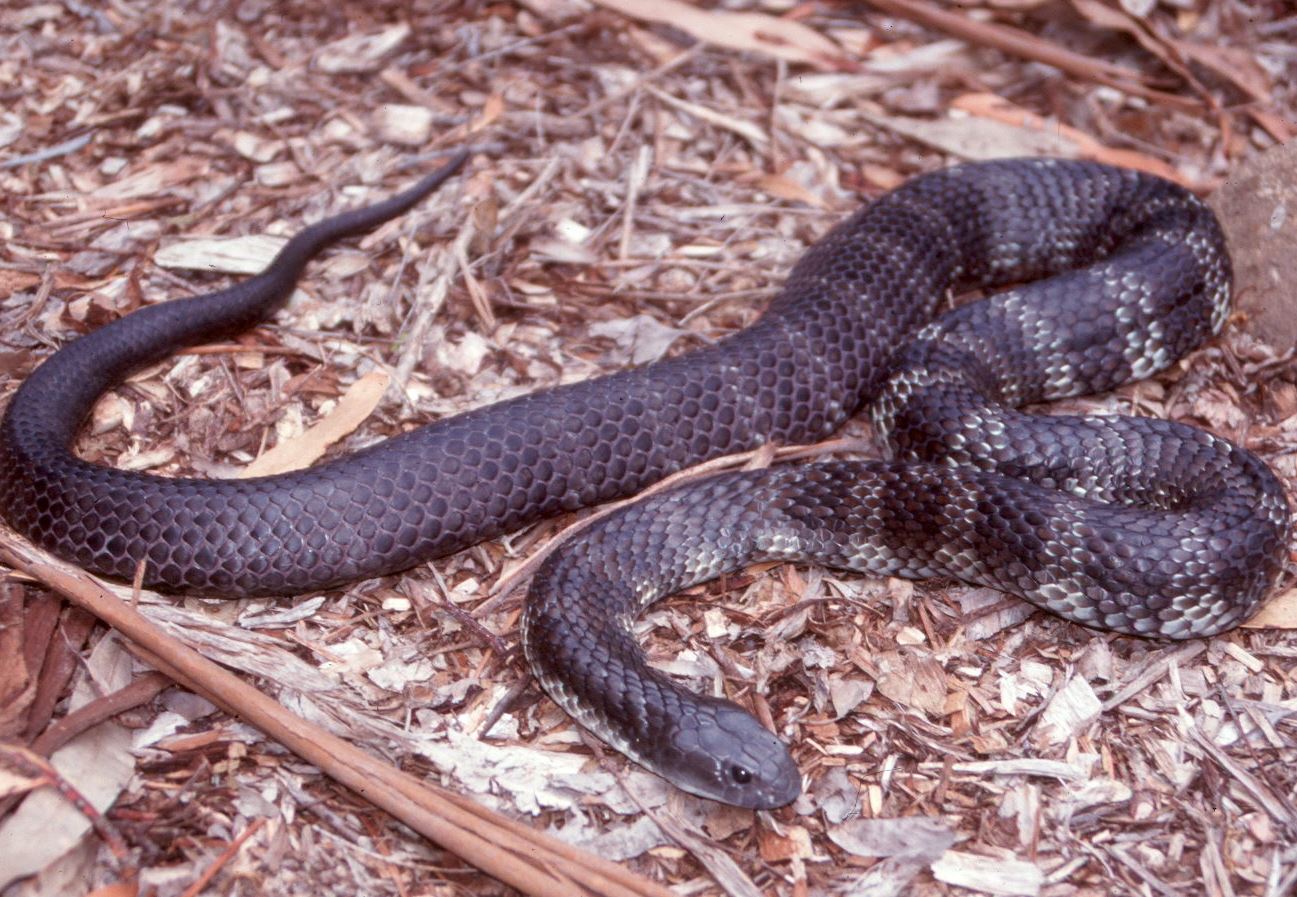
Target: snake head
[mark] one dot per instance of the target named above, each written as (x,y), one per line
(717,751)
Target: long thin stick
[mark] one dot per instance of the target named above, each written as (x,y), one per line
(528,860)
(1028,46)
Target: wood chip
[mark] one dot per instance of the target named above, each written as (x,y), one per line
(988,875)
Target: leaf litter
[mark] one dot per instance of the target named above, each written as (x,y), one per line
(642,181)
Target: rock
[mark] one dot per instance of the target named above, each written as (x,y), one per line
(1257,206)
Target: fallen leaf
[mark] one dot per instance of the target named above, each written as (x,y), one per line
(355,405)
(782,38)
(994,108)
(907,836)
(783,187)
(990,875)
(128,888)
(492,109)
(98,763)
(975,138)
(1280,612)
(248,254)
(640,339)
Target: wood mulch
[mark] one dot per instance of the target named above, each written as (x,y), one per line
(644,173)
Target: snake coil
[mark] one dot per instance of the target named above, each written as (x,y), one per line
(1134,525)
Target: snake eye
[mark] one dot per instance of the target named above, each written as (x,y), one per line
(740,775)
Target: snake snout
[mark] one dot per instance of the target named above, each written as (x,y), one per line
(725,754)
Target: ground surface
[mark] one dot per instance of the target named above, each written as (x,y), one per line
(635,188)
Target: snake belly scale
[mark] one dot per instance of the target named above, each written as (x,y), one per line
(1134,525)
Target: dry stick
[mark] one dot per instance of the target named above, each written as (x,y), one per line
(523,571)
(674,62)
(553,868)
(19,761)
(139,691)
(1027,46)
(1263,797)
(539,865)
(197,886)
(757,457)
(1153,672)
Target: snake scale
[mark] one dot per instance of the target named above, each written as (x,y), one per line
(1134,525)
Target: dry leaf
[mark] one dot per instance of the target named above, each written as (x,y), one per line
(98,763)
(1280,612)
(639,339)
(994,108)
(976,138)
(782,187)
(990,875)
(355,405)
(492,109)
(782,38)
(909,836)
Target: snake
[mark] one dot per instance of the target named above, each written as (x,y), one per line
(1091,276)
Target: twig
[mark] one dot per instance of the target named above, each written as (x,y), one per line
(65,148)
(1264,797)
(716,861)
(226,855)
(38,771)
(760,457)
(635,179)
(1027,46)
(140,691)
(1153,672)
(672,63)
(528,860)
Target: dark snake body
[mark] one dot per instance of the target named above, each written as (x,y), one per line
(1135,525)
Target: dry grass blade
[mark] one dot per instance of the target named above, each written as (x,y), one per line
(525,859)
(760,457)
(1266,799)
